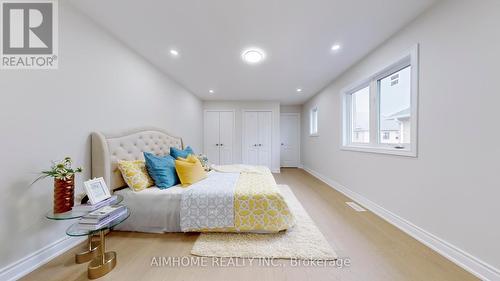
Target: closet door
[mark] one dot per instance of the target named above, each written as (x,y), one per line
(251,138)
(265,136)
(226,133)
(212,129)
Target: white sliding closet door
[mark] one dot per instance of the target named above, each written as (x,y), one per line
(212,129)
(251,138)
(265,145)
(226,126)
(218,136)
(257,138)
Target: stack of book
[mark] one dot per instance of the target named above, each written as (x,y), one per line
(101,217)
(87,207)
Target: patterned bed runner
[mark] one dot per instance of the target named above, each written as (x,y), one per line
(209,204)
(257,204)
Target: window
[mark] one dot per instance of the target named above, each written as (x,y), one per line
(379,113)
(394,114)
(360,116)
(313,126)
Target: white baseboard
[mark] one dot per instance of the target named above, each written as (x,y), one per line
(34,260)
(463,259)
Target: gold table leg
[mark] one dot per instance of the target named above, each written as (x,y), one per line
(102,264)
(90,252)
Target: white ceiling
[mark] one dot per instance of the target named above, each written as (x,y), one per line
(211,34)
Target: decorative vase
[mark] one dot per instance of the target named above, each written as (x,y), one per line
(64,191)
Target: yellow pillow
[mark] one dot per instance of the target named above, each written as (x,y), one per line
(189,170)
(183,159)
(135,174)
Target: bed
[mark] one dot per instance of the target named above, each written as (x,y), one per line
(234,198)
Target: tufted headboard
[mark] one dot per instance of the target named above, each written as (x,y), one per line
(108,149)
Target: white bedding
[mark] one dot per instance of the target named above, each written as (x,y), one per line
(152,210)
(206,204)
(209,205)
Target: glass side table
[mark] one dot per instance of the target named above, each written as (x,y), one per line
(69,215)
(92,247)
(104,262)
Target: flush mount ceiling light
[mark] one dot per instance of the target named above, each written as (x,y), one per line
(336,47)
(299,90)
(174,52)
(211,91)
(253,56)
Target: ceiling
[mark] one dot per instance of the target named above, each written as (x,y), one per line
(210,35)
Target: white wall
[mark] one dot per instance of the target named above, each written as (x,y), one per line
(45,115)
(452,189)
(250,105)
(291,108)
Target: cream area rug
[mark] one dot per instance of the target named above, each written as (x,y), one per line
(303,241)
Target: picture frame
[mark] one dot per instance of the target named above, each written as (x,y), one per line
(97,190)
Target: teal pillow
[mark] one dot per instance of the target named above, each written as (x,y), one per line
(162,170)
(176,153)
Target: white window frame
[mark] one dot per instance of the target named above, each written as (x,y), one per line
(375,146)
(311,112)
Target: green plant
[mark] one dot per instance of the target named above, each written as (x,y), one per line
(204,161)
(60,170)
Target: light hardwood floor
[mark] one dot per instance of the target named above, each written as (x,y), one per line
(378,251)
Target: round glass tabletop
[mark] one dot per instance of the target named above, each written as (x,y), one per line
(69,215)
(77,230)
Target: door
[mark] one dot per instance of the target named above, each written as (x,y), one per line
(226,133)
(265,144)
(218,136)
(257,138)
(212,129)
(251,138)
(290,136)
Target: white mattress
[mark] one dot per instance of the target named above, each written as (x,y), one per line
(153,210)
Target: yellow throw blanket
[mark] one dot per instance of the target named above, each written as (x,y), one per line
(258,204)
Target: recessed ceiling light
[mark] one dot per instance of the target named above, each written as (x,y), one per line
(211,91)
(174,52)
(253,56)
(335,47)
(299,90)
